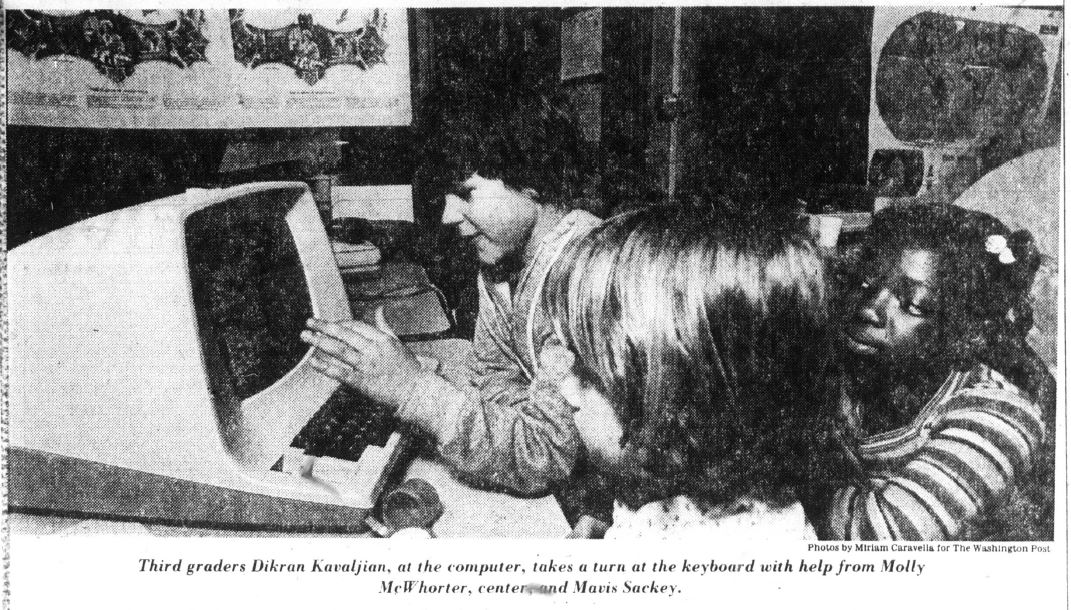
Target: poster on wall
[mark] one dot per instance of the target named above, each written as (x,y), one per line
(155,69)
(208,69)
(343,67)
(952,88)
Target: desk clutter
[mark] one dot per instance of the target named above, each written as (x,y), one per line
(414,308)
(376,273)
(355,256)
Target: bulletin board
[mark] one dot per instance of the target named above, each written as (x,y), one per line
(210,69)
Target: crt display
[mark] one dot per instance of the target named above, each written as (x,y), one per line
(249,292)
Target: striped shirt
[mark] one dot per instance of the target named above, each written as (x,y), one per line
(964,452)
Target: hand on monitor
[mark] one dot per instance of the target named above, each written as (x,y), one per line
(370,360)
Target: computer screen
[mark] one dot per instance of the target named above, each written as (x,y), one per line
(249,292)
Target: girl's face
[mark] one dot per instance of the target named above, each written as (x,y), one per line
(894,308)
(598,424)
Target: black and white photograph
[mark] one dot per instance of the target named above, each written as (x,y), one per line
(535,305)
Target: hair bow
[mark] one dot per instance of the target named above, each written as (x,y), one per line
(998,244)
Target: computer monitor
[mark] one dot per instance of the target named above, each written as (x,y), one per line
(156,369)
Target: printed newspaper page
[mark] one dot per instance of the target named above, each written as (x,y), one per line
(689,306)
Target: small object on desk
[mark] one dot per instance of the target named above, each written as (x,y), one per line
(321,186)
(418,313)
(413,504)
(828,229)
(382,202)
(348,255)
(476,513)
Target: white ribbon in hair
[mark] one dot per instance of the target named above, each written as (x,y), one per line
(998,244)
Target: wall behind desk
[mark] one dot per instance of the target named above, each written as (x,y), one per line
(57,177)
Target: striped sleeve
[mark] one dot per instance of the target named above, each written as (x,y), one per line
(966,459)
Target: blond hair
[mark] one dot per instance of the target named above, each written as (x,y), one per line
(711,340)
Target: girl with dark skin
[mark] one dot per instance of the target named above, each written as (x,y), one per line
(943,396)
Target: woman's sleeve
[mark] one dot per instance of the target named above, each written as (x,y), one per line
(966,460)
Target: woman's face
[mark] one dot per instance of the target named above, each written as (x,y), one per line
(894,307)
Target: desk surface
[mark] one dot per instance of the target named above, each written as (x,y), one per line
(474,513)
(468,513)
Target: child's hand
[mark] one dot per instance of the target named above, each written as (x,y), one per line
(370,360)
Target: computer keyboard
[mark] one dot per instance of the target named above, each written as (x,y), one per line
(346,424)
